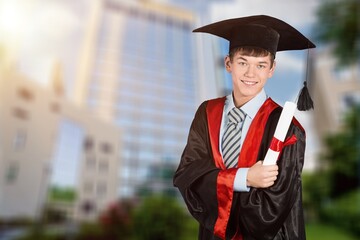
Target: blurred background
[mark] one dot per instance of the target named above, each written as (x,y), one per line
(97,97)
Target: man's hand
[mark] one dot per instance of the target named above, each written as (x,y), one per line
(261,176)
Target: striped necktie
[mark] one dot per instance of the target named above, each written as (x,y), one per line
(232,136)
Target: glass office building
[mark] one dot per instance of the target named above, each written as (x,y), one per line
(141,75)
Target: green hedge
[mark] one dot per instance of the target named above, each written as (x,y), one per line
(344,212)
(159,218)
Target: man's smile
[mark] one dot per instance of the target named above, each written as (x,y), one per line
(251,83)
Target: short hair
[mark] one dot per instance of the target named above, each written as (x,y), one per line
(253,52)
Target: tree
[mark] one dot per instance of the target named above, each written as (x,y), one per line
(339,24)
(117,220)
(65,194)
(343,155)
(159,218)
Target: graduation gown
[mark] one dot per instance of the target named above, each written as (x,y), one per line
(207,186)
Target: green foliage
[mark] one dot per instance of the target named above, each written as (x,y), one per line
(315,192)
(338,23)
(343,155)
(17,222)
(37,232)
(159,175)
(191,229)
(332,193)
(318,231)
(57,193)
(159,218)
(90,231)
(344,212)
(37,236)
(53,216)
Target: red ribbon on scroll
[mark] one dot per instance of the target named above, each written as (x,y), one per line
(277,145)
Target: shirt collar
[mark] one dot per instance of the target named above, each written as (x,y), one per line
(251,107)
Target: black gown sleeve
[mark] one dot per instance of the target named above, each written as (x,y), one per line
(196,176)
(276,212)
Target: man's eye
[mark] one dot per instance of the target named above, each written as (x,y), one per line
(261,66)
(242,63)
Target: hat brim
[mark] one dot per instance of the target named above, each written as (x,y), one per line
(290,38)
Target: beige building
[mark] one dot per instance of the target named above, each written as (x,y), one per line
(334,90)
(30,126)
(28,119)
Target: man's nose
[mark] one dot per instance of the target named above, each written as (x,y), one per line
(250,71)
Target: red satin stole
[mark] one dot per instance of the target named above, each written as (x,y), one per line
(247,156)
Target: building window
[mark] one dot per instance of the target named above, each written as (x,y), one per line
(25,94)
(20,140)
(88,188)
(103,166)
(101,189)
(12,172)
(88,207)
(90,162)
(106,148)
(21,113)
(88,144)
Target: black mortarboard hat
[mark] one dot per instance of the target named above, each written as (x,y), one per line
(265,32)
(262,31)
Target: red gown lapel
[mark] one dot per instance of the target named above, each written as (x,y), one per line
(251,144)
(249,151)
(214,111)
(247,157)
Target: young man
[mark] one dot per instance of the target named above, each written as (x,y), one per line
(221,176)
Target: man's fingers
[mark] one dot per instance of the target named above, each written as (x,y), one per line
(269,174)
(262,176)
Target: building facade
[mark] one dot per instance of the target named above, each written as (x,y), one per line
(334,91)
(32,151)
(26,143)
(138,70)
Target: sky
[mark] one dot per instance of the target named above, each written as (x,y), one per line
(40,33)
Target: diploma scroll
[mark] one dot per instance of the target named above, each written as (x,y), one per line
(280,132)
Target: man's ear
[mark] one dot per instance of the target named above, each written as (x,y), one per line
(272,70)
(227,63)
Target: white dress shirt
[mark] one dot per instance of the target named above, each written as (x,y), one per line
(250,109)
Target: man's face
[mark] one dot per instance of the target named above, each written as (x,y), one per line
(249,75)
